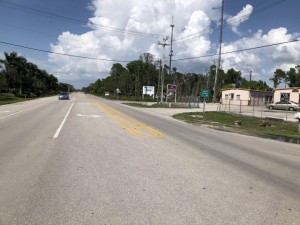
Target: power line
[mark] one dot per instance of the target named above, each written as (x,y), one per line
(207,31)
(240,50)
(72,20)
(115,60)
(63,54)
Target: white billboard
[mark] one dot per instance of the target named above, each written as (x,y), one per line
(148,90)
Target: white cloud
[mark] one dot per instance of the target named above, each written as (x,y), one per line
(240,17)
(150,17)
(263,60)
(192,37)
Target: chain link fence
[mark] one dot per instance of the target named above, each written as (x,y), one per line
(253,108)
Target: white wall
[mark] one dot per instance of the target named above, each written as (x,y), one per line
(244,97)
(294,96)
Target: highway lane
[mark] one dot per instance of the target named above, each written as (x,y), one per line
(112,164)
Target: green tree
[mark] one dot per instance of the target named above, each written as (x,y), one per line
(293,77)
(232,77)
(254,85)
(278,76)
(3,83)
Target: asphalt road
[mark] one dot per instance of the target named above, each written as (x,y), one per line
(91,161)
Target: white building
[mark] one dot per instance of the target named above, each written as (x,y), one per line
(241,96)
(287,94)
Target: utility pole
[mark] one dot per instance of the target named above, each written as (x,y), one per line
(159,77)
(171,50)
(250,75)
(164,43)
(220,52)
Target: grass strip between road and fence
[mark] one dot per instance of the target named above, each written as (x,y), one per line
(9,99)
(248,125)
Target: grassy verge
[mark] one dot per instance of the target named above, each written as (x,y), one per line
(125,98)
(153,105)
(249,125)
(148,105)
(10,98)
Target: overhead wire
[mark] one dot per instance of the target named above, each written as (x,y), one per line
(207,31)
(72,20)
(116,60)
(63,54)
(240,50)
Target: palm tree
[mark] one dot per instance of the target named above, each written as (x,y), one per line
(16,68)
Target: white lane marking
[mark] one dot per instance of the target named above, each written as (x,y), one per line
(63,122)
(4,111)
(93,116)
(19,112)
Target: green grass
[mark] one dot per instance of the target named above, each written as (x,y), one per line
(125,98)
(153,105)
(149,105)
(249,125)
(10,98)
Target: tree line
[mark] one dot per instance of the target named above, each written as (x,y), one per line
(289,78)
(146,72)
(23,78)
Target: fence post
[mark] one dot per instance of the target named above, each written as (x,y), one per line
(240,106)
(253,107)
(229,105)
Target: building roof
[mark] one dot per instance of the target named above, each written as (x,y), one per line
(246,89)
(288,88)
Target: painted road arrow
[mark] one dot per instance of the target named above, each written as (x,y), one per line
(91,116)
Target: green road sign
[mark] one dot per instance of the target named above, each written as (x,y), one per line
(204,93)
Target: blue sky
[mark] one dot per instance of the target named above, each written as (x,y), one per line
(253,23)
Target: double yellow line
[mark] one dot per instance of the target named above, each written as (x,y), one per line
(129,124)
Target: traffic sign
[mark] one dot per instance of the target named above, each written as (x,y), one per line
(204,93)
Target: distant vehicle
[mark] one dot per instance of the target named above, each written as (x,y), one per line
(291,106)
(63,96)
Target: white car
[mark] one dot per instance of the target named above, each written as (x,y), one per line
(291,106)
(297,116)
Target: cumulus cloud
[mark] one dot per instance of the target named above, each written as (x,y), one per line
(135,29)
(240,17)
(263,60)
(125,34)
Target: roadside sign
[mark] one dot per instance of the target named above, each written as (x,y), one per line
(204,93)
(148,90)
(171,88)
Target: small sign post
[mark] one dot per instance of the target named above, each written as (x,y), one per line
(171,88)
(204,93)
(148,90)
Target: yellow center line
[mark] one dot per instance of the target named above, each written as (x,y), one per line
(131,125)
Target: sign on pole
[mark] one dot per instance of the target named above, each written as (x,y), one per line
(204,93)
(171,88)
(148,90)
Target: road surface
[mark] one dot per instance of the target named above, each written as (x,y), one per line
(91,161)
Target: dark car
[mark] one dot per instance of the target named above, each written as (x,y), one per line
(63,96)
